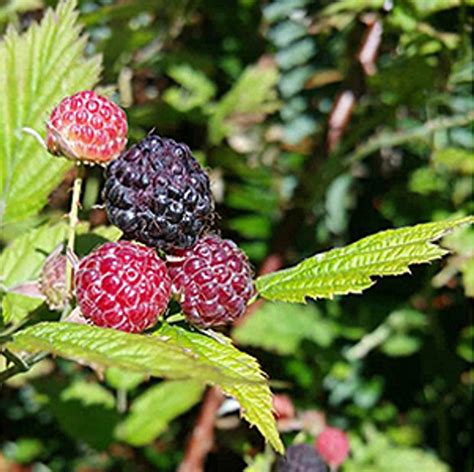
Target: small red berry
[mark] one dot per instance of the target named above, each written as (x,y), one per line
(87,127)
(333,446)
(123,286)
(283,407)
(213,281)
(52,280)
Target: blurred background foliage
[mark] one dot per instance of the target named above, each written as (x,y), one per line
(252,87)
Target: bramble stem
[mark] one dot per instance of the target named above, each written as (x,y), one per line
(22,366)
(73,220)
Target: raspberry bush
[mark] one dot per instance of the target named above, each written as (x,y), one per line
(159,217)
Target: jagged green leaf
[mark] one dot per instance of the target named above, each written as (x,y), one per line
(455,159)
(16,307)
(123,379)
(152,411)
(37,69)
(15,7)
(172,353)
(281,328)
(254,396)
(351,269)
(88,393)
(21,260)
(196,89)
(248,102)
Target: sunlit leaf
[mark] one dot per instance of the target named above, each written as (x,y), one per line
(152,411)
(352,269)
(37,69)
(172,353)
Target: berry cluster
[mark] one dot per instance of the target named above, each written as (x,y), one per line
(158,195)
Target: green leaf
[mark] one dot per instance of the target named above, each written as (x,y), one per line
(123,379)
(156,408)
(24,450)
(281,328)
(22,260)
(352,5)
(88,393)
(380,454)
(401,345)
(172,353)
(254,395)
(14,7)
(37,69)
(248,102)
(465,348)
(351,269)
(428,7)
(195,91)
(16,307)
(83,410)
(456,159)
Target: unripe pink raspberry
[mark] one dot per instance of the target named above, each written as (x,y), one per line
(212,280)
(123,286)
(333,446)
(87,127)
(52,280)
(283,407)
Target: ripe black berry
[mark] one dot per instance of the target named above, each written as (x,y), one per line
(158,194)
(301,458)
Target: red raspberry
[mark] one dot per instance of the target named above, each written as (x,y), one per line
(283,407)
(87,127)
(212,280)
(52,280)
(123,286)
(333,446)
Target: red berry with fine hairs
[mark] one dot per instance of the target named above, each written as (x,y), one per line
(87,127)
(52,280)
(212,280)
(333,446)
(123,286)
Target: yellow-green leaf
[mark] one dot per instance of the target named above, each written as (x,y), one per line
(152,411)
(37,69)
(351,269)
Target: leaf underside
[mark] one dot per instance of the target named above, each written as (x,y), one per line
(351,269)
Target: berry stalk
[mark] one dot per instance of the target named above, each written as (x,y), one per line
(73,220)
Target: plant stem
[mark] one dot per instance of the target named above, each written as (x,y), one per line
(22,366)
(73,220)
(121,400)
